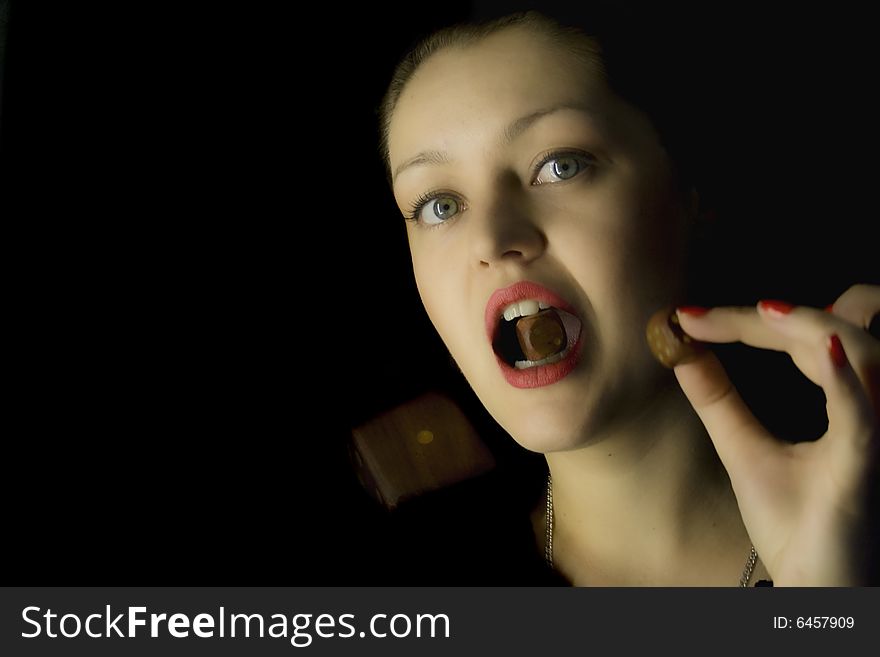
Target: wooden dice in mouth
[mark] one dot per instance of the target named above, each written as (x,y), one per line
(541,335)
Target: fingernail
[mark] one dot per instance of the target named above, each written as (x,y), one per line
(776,307)
(694,311)
(829,308)
(835,350)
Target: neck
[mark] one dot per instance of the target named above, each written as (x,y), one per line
(648,502)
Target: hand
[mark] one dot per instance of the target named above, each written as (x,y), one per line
(805,505)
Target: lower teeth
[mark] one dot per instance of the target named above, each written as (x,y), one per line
(555,358)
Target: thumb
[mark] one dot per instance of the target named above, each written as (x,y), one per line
(739,438)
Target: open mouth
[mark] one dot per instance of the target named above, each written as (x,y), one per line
(533,333)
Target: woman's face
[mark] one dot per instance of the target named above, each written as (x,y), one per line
(539,175)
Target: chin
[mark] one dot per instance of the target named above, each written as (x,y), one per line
(544,442)
(545,429)
(542,420)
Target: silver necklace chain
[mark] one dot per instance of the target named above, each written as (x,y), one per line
(548,543)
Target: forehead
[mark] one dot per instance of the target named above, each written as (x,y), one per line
(469,92)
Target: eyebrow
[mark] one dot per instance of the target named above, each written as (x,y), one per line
(510,133)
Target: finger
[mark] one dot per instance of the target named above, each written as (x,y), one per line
(739,438)
(858,305)
(851,420)
(730,324)
(743,324)
(811,328)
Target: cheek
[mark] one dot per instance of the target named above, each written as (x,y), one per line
(622,252)
(437,290)
(643,232)
(440,279)
(600,237)
(660,231)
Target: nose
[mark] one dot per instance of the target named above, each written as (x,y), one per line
(505,231)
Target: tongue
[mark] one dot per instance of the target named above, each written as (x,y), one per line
(541,335)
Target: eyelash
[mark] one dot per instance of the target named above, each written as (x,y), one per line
(416,208)
(418,205)
(557,155)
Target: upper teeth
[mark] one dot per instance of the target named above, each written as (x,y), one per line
(524,308)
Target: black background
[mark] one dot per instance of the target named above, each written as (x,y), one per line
(204,264)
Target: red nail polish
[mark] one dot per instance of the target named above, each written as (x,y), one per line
(835,350)
(775,306)
(829,308)
(694,311)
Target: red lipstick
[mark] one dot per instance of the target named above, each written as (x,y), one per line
(542,375)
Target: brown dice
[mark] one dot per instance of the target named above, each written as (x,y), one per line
(541,335)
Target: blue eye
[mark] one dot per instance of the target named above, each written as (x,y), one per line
(434,209)
(557,167)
